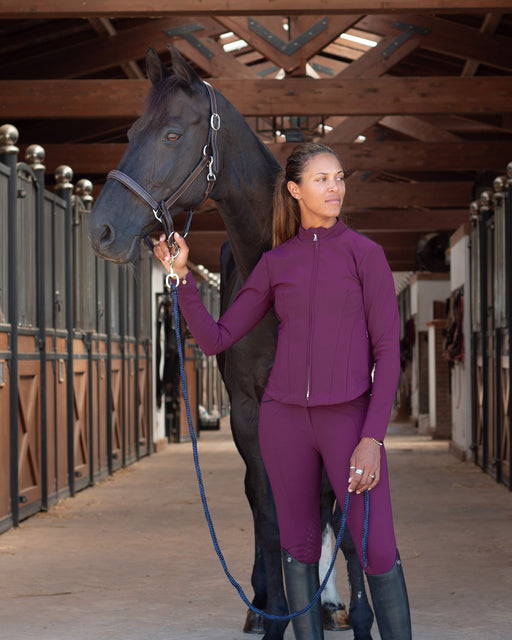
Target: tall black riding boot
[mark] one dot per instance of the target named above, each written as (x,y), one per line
(390,603)
(302,583)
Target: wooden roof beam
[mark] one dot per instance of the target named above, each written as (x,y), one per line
(489,26)
(132,8)
(448,37)
(408,194)
(410,156)
(95,158)
(330,27)
(91,57)
(217,62)
(406,219)
(359,96)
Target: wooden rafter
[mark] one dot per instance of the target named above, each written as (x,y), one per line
(448,37)
(360,96)
(270,47)
(217,62)
(131,8)
(90,57)
(89,159)
(78,80)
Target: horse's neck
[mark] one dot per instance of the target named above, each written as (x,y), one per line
(245,203)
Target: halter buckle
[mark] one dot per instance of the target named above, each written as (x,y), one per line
(159,218)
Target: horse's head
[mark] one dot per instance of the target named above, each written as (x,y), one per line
(165,146)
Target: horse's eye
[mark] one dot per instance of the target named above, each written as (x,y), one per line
(172,136)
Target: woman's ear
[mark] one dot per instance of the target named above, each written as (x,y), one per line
(293,189)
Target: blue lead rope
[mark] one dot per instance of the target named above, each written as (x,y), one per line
(174,296)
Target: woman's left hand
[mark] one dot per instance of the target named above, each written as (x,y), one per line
(179,264)
(366,458)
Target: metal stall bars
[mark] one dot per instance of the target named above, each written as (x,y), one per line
(9,514)
(491,321)
(60,326)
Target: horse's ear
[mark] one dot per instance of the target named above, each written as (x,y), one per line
(154,67)
(181,67)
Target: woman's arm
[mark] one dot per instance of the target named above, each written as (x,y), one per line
(249,306)
(381,310)
(383,323)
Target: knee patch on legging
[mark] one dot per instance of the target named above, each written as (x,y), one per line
(307,549)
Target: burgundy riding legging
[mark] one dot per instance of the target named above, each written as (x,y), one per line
(294,442)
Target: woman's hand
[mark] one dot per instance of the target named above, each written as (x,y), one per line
(366,457)
(161,251)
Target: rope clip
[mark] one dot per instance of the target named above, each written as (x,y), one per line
(174,251)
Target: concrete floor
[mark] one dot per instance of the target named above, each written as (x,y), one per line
(131,558)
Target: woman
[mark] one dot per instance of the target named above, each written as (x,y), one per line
(333,293)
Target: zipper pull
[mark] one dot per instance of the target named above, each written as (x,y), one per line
(315,239)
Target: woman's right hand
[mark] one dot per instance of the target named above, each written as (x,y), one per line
(161,251)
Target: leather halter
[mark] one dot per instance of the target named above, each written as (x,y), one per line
(210,159)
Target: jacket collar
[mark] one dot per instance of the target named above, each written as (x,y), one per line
(322,232)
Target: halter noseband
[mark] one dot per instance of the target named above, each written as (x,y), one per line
(210,159)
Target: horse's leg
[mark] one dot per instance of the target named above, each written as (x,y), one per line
(360,613)
(254,621)
(334,612)
(244,425)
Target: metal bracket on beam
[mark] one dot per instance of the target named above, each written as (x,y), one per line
(184,29)
(288,48)
(408,30)
(186,32)
(322,69)
(202,48)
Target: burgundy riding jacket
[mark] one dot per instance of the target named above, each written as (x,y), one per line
(334,296)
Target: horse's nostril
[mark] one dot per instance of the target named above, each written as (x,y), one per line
(107,235)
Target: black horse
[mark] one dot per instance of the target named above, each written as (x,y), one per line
(165,145)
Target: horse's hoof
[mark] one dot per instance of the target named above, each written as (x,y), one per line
(335,618)
(254,623)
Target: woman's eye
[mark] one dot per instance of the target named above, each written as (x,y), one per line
(172,136)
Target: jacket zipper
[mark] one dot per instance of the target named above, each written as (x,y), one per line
(311,306)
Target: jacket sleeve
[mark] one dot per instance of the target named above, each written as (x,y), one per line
(381,309)
(250,305)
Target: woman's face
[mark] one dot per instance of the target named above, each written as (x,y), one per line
(321,191)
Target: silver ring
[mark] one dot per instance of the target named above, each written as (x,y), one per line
(359,472)
(351,467)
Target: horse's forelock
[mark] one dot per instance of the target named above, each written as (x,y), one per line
(158,98)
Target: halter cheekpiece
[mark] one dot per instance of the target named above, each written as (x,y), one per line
(209,160)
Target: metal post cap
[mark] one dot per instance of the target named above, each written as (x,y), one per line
(83,189)
(34,156)
(63,177)
(8,138)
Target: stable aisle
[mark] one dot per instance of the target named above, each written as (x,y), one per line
(131,558)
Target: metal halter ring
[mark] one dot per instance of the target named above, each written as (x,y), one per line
(215,121)
(173,247)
